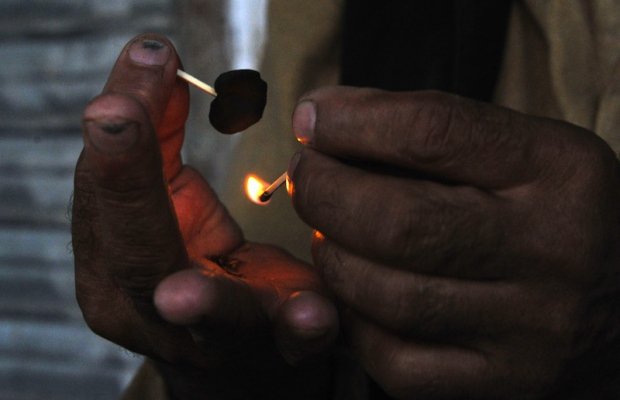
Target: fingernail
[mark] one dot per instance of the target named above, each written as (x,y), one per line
(304,120)
(291,171)
(149,52)
(112,136)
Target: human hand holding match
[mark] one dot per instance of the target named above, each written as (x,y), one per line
(475,250)
(163,270)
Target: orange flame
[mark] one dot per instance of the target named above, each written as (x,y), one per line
(254,187)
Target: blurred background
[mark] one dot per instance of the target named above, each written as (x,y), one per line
(54,56)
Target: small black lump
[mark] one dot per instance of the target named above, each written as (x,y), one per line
(240,101)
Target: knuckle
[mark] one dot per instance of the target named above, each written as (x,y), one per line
(449,126)
(427,313)
(599,158)
(425,310)
(434,113)
(429,228)
(330,260)
(413,227)
(402,223)
(586,181)
(587,159)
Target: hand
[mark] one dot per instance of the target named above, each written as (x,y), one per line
(475,250)
(163,270)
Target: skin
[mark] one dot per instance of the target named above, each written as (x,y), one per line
(163,270)
(473,250)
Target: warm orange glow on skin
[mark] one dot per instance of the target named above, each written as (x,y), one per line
(318,235)
(254,187)
(289,186)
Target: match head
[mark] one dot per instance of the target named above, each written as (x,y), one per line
(255,189)
(265,197)
(258,191)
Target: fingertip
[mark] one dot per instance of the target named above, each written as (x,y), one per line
(205,295)
(117,141)
(104,121)
(149,50)
(312,106)
(185,297)
(147,71)
(307,325)
(310,315)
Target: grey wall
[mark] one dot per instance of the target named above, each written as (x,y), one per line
(54,56)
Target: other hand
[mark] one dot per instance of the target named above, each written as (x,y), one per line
(474,250)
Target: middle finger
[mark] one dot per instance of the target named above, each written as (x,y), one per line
(417,305)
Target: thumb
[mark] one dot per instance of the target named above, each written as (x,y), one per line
(135,239)
(447,137)
(136,233)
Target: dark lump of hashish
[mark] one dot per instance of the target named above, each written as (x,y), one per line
(240,102)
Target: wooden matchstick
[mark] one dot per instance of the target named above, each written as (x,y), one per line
(196,82)
(270,190)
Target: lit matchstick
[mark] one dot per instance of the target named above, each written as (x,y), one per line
(196,82)
(266,195)
(260,192)
(256,97)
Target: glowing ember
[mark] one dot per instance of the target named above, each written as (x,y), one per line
(254,187)
(318,236)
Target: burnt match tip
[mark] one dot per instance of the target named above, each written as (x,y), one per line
(265,197)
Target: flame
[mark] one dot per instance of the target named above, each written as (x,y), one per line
(254,187)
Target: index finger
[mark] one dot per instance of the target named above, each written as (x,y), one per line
(445,136)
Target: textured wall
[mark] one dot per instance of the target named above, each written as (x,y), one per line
(55,56)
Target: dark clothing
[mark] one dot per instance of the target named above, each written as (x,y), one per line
(450,45)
